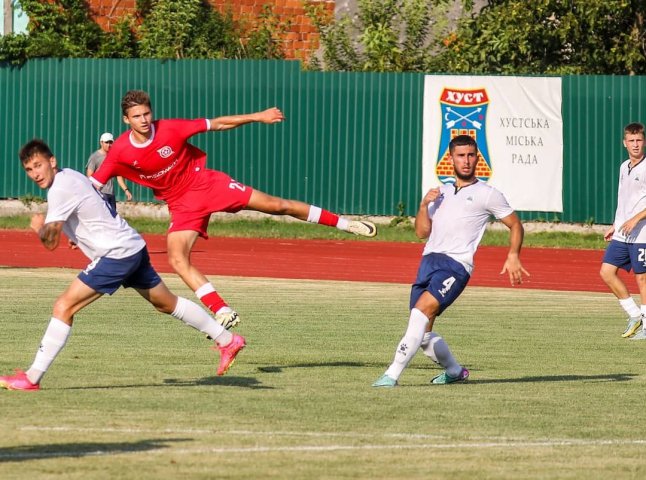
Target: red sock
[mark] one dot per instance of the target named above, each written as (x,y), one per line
(328,218)
(213,301)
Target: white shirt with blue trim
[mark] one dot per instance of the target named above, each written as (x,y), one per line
(89,222)
(631,199)
(459,218)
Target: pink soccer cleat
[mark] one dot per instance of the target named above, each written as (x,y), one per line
(228,353)
(19,381)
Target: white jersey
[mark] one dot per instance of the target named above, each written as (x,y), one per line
(89,222)
(459,218)
(631,199)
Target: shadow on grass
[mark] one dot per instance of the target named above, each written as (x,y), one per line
(435,369)
(280,368)
(227,381)
(617,377)
(24,453)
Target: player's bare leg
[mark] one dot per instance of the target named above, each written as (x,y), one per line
(228,344)
(640,278)
(609,275)
(262,202)
(641,283)
(73,299)
(160,297)
(180,244)
(77,296)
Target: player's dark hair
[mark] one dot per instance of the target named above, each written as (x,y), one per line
(134,98)
(461,141)
(633,129)
(32,148)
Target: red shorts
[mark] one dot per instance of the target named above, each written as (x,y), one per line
(212,191)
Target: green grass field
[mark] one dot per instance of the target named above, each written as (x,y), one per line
(554,391)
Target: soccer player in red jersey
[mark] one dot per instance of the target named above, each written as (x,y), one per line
(157,154)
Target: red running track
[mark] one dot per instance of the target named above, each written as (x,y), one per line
(550,269)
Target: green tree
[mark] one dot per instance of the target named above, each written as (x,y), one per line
(265,36)
(185,29)
(167,29)
(551,36)
(60,28)
(121,41)
(384,35)
(193,29)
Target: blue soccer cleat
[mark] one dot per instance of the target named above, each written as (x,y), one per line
(445,378)
(385,381)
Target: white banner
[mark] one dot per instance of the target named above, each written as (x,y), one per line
(518,126)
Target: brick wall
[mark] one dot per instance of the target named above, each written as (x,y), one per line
(107,12)
(300,40)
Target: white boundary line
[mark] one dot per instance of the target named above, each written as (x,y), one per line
(318,448)
(281,433)
(227,432)
(438,442)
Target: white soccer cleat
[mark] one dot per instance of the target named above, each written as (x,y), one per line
(227,317)
(633,325)
(363,228)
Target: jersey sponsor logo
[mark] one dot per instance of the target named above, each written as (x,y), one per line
(160,173)
(464,112)
(165,151)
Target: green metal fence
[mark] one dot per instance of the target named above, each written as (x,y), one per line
(352,141)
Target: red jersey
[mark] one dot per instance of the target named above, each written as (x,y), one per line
(166,163)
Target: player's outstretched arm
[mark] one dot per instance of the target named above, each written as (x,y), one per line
(512,264)
(49,234)
(271,115)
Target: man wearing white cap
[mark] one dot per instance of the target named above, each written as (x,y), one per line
(95,161)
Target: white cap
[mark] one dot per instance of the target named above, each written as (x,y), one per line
(106,137)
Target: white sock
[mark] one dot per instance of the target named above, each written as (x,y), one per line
(204,290)
(52,343)
(427,348)
(314,215)
(409,343)
(630,307)
(191,314)
(642,309)
(439,352)
(342,224)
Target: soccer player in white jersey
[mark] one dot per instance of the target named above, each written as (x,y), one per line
(627,235)
(118,257)
(453,217)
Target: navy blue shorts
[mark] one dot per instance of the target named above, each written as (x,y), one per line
(442,277)
(626,255)
(106,275)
